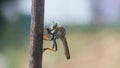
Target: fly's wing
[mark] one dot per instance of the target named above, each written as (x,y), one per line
(66,49)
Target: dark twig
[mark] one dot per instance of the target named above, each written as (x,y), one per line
(36,36)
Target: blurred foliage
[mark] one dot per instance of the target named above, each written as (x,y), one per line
(13,32)
(2,19)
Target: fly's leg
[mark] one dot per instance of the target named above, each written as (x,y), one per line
(54,44)
(54,47)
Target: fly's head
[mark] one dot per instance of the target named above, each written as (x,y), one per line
(52,28)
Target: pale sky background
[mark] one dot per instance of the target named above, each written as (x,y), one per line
(70,11)
(62,10)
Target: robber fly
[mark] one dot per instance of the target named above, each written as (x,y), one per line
(56,31)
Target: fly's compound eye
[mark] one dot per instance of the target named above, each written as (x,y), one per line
(55,25)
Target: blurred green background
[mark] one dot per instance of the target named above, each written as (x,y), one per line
(93,33)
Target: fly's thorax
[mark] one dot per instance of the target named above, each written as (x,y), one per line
(60,33)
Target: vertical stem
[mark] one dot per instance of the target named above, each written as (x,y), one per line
(36,36)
